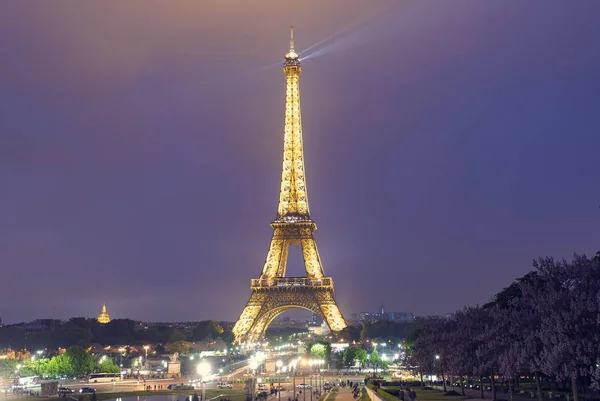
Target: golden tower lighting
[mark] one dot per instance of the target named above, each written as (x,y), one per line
(274,293)
(103,317)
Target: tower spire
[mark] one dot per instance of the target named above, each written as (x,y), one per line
(292,56)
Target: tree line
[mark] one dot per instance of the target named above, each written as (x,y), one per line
(75,362)
(546,325)
(83,332)
(357,355)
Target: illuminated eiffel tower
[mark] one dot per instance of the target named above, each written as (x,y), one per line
(273,293)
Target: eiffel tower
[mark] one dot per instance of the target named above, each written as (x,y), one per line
(274,293)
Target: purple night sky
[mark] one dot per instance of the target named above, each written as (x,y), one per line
(447,143)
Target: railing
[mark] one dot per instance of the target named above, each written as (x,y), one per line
(291,282)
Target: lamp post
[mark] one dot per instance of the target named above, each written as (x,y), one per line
(121,350)
(294,383)
(320,384)
(304,385)
(253,365)
(146,347)
(279,364)
(437,357)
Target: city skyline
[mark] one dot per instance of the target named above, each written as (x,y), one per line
(296,315)
(447,146)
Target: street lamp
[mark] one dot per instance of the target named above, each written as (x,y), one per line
(203,368)
(121,351)
(253,365)
(437,358)
(146,347)
(279,364)
(304,381)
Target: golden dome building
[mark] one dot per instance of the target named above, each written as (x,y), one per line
(103,317)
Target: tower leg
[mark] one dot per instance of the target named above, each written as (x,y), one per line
(248,317)
(312,261)
(276,262)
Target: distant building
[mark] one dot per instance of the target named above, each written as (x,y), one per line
(103,317)
(383,315)
(318,329)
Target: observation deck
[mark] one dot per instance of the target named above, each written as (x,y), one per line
(289,283)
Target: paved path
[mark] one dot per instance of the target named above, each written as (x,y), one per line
(344,394)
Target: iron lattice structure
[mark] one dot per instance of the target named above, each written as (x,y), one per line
(274,293)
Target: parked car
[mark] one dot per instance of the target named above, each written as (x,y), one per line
(87,390)
(63,391)
(179,387)
(302,385)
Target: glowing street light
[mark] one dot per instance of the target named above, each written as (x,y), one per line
(279,364)
(437,357)
(121,351)
(203,368)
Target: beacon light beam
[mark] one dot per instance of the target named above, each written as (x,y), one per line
(352,27)
(362,33)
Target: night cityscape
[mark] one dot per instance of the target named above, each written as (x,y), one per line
(158,242)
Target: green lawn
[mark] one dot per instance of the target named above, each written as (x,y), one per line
(435,395)
(332,394)
(428,395)
(364,396)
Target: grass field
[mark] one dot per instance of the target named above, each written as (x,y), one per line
(428,395)
(332,394)
(364,396)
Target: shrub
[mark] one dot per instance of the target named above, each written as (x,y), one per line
(386,396)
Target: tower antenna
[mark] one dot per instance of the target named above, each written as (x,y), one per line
(292,39)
